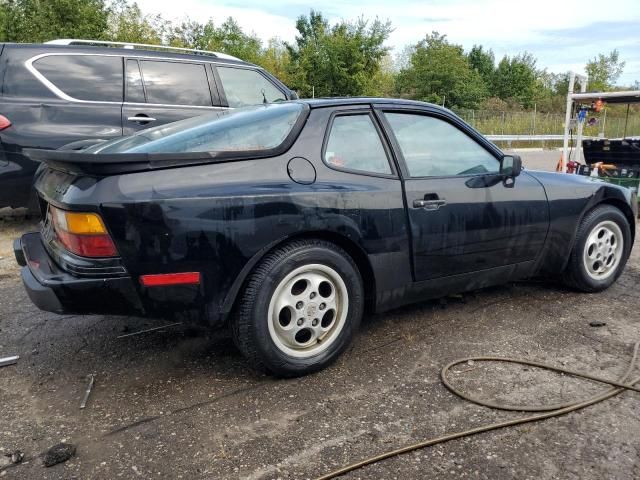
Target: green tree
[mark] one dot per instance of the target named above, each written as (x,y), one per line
(342,59)
(604,71)
(228,38)
(275,59)
(127,23)
(516,78)
(42,20)
(383,82)
(440,72)
(483,61)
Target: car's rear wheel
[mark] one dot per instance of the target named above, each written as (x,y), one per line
(601,250)
(300,309)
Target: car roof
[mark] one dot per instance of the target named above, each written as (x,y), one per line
(127,52)
(339,101)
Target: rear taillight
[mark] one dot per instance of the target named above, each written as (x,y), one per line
(4,122)
(82,233)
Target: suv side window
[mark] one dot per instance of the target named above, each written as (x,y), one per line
(432,147)
(84,77)
(244,87)
(176,83)
(135,90)
(354,144)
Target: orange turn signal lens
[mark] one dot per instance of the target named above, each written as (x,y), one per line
(84,223)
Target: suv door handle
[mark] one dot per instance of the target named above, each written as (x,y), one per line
(141,118)
(429,204)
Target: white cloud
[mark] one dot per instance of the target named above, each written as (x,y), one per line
(251,19)
(508,27)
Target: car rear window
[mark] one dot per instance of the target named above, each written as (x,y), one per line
(256,128)
(84,77)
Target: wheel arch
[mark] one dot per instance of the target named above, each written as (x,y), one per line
(614,202)
(624,208)
(353,249)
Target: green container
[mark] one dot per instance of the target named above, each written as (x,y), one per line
(632,184)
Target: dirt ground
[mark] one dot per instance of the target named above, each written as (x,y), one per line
(180,402)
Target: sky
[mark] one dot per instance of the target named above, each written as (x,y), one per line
(562,35)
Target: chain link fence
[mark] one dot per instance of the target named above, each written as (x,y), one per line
(536,123)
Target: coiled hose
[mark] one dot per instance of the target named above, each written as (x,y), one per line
(551,410)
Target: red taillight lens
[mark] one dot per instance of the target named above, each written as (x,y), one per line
(87,245)
(82,233)
(4,122)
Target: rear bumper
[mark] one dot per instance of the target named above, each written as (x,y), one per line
(54,290)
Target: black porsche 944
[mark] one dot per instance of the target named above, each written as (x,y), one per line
(287,222)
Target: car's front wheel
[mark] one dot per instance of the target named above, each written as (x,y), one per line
(601,250)
(300,309)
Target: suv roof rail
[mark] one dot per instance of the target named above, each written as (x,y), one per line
(129,45)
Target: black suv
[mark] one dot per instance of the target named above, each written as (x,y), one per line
(71,93)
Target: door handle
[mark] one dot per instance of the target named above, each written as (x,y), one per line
(429,204)
(140,118)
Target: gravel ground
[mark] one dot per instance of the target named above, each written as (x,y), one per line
(180,402)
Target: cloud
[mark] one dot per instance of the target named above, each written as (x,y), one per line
(561,34)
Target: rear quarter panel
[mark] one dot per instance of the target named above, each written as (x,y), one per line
(220,219)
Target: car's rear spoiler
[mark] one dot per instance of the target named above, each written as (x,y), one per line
(105,164)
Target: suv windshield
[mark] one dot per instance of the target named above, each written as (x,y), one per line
(261,127)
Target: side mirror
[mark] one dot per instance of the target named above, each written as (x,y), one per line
(510,166)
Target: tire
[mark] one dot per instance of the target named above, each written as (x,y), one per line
(601,250)
(300,309)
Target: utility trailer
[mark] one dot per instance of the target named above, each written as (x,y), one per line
(614,160)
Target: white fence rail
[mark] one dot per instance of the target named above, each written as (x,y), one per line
(527,138)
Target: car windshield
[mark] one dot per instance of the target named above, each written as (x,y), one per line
(261,127)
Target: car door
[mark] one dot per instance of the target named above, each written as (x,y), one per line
(243,86)
(163,91)
(79,110)
(461,219)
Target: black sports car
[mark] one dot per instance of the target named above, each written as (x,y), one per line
(288,221)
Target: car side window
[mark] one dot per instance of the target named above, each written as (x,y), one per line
(244,87)
(432,147)
(135,90)
(176,83)
(354,144)
(84,77)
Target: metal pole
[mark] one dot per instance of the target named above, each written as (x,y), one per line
(535,112)
(626,121)
(567,121)
(604,122)
(583,88)
(9,360)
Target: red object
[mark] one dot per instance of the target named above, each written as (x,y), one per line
(85,245)
(4,122)
(164,279)
(598,105)
(572,166)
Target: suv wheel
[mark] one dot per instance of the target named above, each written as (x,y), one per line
(300,309)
